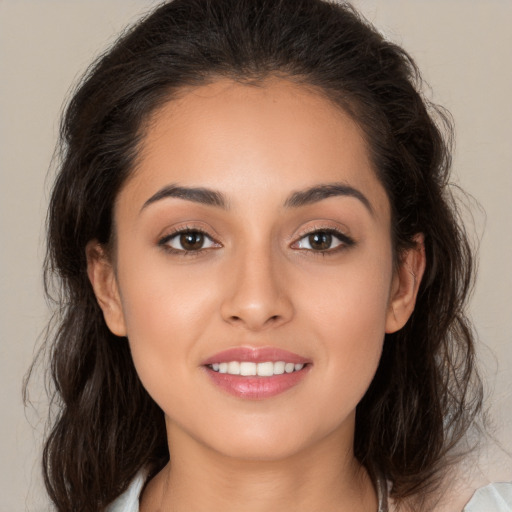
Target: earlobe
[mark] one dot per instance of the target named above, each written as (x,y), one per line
(405,286)
(103,280)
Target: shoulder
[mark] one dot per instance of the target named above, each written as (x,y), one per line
(129,500)
(495,497)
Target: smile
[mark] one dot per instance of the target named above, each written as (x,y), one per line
(248,368)
(256,373)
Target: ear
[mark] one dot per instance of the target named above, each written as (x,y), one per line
(103,280)
(405,285)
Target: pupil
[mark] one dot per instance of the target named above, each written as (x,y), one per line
(320,241)
(192,241)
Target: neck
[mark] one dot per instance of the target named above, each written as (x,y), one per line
(318,478)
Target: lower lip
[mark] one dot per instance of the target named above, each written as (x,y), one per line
(257,388)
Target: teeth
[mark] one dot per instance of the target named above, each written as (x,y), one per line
(234,368)
(265,369)
(247,368)
(279,367)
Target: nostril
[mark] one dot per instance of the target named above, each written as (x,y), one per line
(256,312)
(236,319)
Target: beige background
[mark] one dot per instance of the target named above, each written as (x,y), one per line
(464,48)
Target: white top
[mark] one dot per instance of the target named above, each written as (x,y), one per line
(491,498)
(129,500)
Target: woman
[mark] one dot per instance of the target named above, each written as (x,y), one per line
(263,273)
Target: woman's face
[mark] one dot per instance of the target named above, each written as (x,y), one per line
(254,224)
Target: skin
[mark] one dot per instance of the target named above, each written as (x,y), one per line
(257,283)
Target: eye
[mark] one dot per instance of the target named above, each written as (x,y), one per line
(324,240)
(188,240)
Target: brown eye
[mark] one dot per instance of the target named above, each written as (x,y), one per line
(320,241)
(326,241)
(188,241)
(192,241)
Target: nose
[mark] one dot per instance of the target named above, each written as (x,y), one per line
(258,293)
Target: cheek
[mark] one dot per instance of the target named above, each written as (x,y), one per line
(166,311)
(348,315)
(351,297)
(161,299)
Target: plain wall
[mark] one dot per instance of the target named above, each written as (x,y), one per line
(463,47)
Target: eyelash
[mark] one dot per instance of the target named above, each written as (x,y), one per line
(163,242)
(345,241)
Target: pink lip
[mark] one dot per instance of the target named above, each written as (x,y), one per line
(255,355)
(256,388)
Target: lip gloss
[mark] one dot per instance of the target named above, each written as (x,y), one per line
(256,387)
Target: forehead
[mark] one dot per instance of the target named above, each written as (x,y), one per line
(271,138)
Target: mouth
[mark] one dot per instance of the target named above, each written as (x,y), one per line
(250,369)
(256,373)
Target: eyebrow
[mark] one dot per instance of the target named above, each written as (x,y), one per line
(321,192)
(297,199)
(199,195)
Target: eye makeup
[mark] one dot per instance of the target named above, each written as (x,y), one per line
(190,240)
(325,241)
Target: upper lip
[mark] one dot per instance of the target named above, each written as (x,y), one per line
(255,355)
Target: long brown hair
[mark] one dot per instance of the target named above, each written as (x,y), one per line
(426,392)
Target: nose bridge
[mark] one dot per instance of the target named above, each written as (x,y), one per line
(258,295)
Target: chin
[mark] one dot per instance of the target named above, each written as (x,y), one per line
(266,441)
